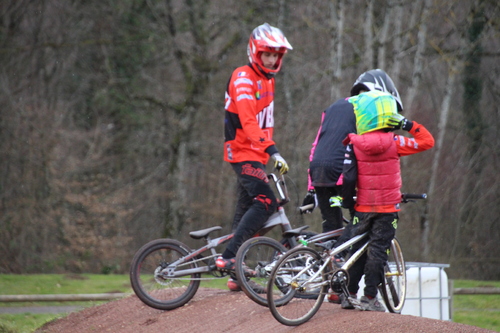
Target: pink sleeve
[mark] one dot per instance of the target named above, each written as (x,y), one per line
(311,155)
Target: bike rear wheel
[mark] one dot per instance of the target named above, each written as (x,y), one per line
(290,280)
(394,287)
(152,285)
(260,255)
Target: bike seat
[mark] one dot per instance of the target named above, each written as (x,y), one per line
(294,232)
(203,233)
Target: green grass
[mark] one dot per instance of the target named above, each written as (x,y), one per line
(476,310)
(63,284)
(24,323)
(44,284)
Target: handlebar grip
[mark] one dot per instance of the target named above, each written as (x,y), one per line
(302,209)
(406,196)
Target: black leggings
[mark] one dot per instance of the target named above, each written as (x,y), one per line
(332,216)
(381,229)
(256,202)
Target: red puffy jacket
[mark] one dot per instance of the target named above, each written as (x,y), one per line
(379,173)
(373,167)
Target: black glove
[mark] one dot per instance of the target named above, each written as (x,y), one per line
(348,203)
(398,121)
(310,198)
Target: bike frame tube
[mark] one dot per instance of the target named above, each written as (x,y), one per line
(355,256)
(347,244)
(211,244)
(337,250)
(277,218)
(325,235)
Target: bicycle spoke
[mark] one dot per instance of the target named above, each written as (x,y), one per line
(294,295)
(150,280)
(394,288)
(258,254)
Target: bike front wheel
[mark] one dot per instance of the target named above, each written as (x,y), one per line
(394,287)
(152,274)
(258,254)
(297,287)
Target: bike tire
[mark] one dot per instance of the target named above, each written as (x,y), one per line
(285,300)
(154,289)
(259,254)
(393,289)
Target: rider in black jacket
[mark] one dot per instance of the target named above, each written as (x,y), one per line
(327,153)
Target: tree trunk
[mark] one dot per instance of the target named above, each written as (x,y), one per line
(473,127)
(398,53)
(438,147)
(418,61)
(337,10)
(368,58)
(384,36)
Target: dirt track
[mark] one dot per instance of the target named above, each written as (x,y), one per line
(213,310)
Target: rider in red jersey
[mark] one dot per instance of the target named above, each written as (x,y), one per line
(248,137)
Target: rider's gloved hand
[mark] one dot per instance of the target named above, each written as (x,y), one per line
(348,203)
(335,201)
(280,164)
(398,121)
(310,198)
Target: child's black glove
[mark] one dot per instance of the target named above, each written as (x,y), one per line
(398,121)
(310,198)
(348,203)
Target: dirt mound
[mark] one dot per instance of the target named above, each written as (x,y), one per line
(213,310)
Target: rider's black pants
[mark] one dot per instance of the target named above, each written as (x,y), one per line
(256,202)
(332,216)
(381,229)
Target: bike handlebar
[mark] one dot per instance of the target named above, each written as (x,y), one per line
(279,182)
(302,209)
(405,197)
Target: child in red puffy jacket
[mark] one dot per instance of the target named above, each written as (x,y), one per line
(372,174)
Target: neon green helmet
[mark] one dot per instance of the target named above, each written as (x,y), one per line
(373,109)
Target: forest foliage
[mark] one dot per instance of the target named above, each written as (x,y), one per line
(112,113)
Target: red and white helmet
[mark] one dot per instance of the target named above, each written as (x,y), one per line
(266,38)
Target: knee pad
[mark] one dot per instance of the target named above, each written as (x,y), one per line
(269,205)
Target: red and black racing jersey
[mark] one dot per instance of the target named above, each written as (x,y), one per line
(249,119)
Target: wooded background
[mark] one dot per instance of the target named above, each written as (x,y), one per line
(111,120)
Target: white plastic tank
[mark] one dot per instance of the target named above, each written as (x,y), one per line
(427,293)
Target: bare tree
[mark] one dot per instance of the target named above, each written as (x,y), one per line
(368,57)
(337,17)
(418,60)
(438,148)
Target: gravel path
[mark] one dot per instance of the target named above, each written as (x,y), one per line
(213,310)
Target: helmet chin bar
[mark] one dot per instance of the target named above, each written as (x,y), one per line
(258,67)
